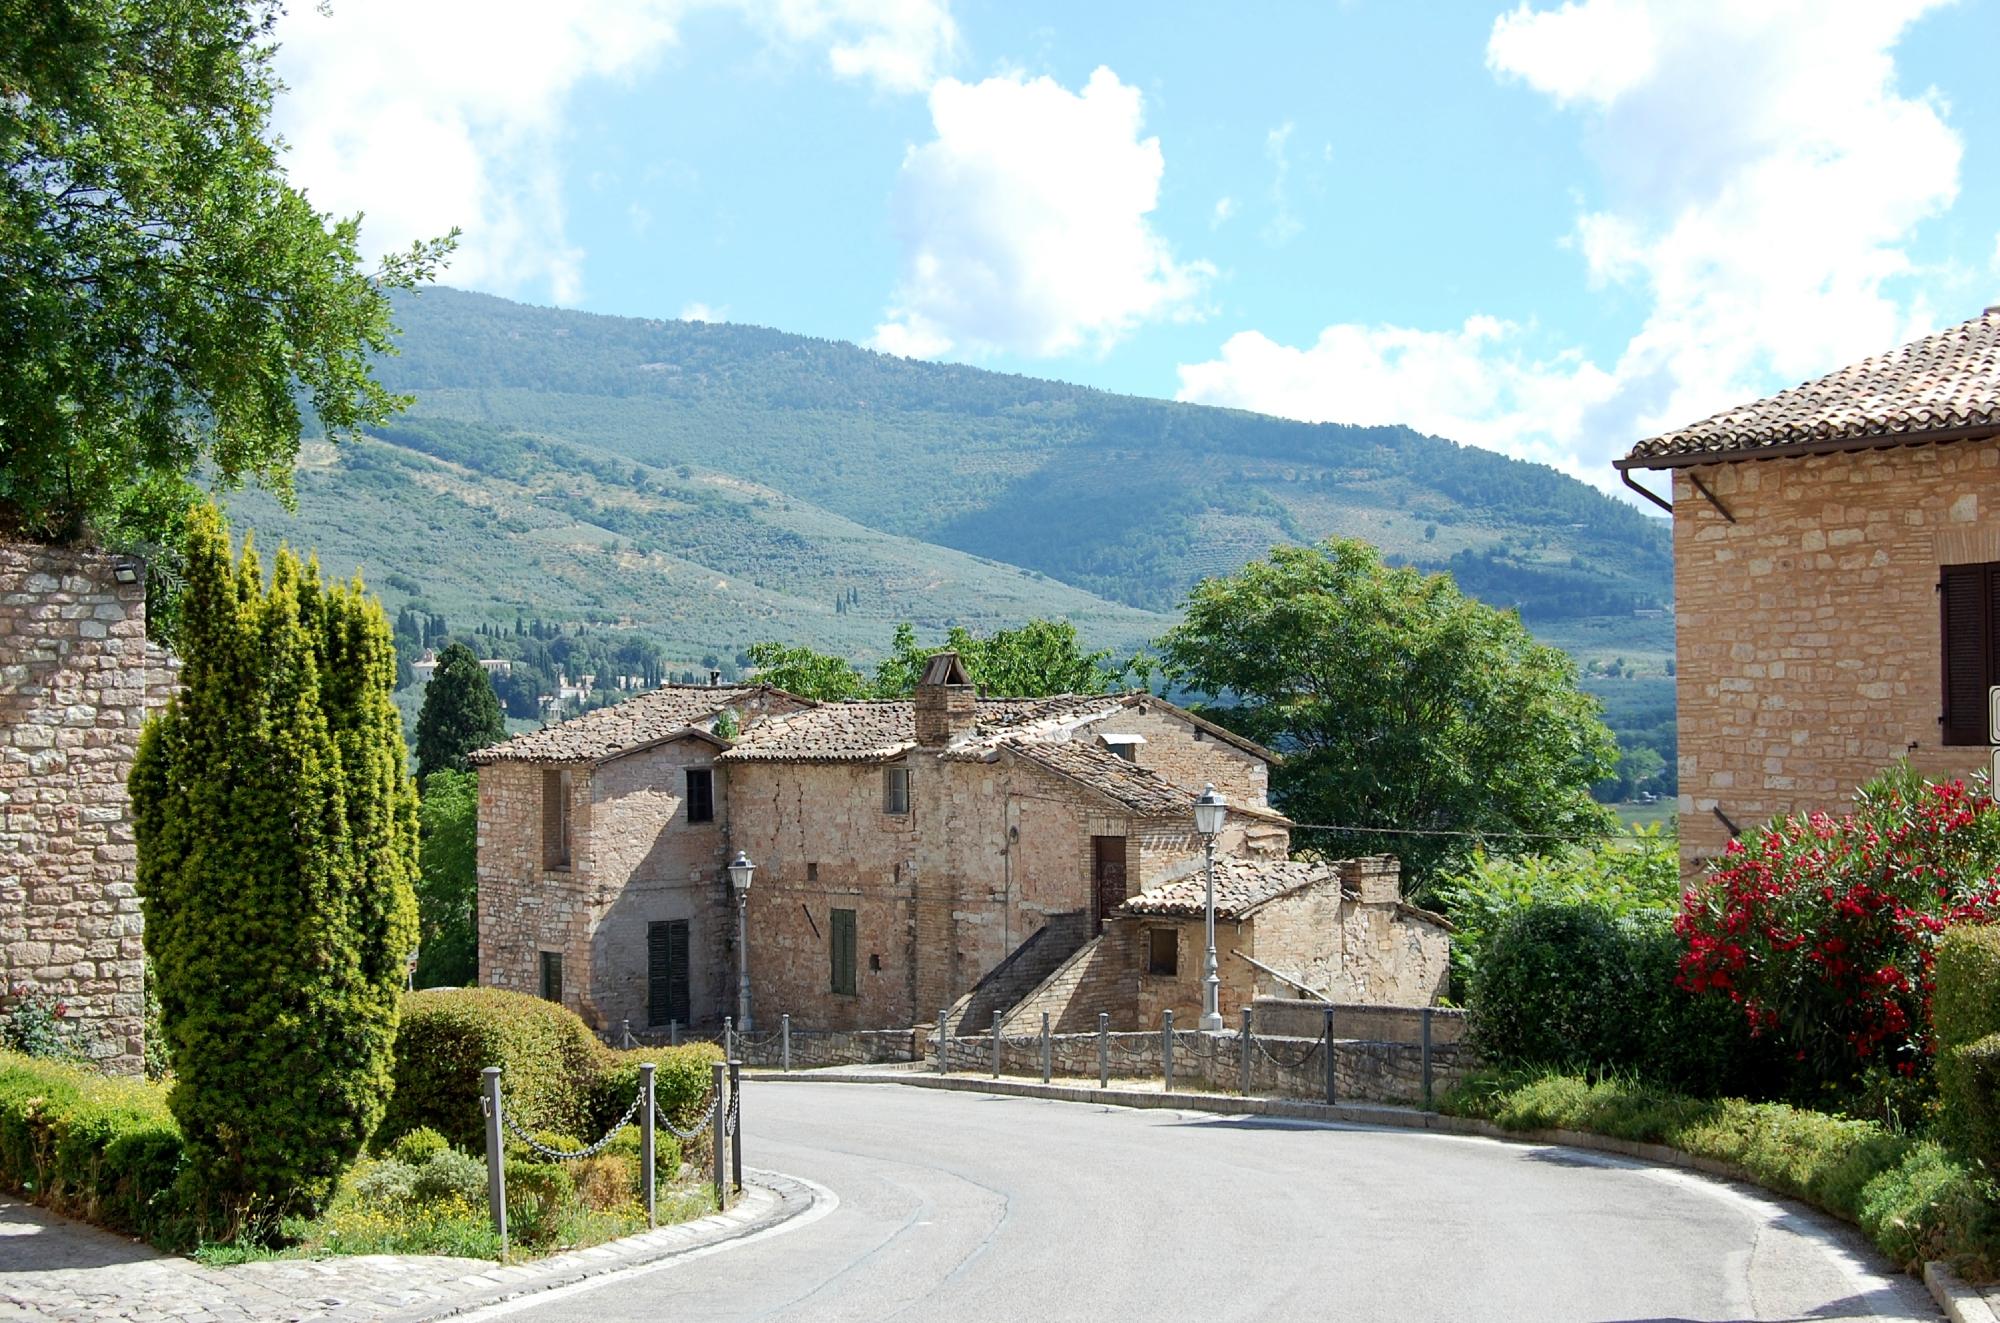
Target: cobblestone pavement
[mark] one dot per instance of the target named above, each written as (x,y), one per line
(52,1268)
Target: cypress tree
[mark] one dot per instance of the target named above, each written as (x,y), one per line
(276,827)
(460,713)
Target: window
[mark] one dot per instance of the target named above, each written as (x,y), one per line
(842,931)
(701,794)
(896,790)
(555,818)
(552,976)
(812,872)
(667,999)
(1125,746)
(1163,951)
(1969,606)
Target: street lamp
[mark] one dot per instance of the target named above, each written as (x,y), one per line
(740,870)
(1208,814)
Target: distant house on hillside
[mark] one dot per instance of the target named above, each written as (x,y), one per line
(905,851)
(1837,582)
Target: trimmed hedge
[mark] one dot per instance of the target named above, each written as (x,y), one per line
(1965,1012)
(89,1146)
(555,1075)
(1912,1197)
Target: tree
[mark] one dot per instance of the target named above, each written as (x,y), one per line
(1039,658)
(460,713)
(448,881)
(809,674)
(1399,704)
(276,831)
(168,301)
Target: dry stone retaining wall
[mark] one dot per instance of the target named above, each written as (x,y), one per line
(77,679)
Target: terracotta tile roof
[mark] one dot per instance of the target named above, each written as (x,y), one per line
(1943,387)
(640,719)
(877,730)
(1090,764)
(1241,885)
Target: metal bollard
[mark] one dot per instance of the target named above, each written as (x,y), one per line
(736,1130)
(1243,1050)
(996,1045)
(1167,1050)
(1045,1047)
(784,1042)
(719,1083)
(943,1044)
(496,1162)
(1329,1056)
(647,1173)
(1103,1050)
(729,1038)
(625,1033)
(1426,1019)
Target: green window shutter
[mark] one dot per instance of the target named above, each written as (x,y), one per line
(841,930)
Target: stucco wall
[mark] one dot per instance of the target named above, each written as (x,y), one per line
(1808,639)
(77,679)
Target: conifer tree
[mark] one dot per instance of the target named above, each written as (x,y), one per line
(276,828)
(460,713)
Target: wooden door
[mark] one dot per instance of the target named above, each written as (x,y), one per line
(667,984)
(1107,876)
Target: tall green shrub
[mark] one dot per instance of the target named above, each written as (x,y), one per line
(448,881)
(1965,1013)
(461,713)
(276,828)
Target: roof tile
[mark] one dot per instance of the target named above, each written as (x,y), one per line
(640,719)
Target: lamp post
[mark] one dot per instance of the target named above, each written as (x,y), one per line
(1208,814)
(740,871)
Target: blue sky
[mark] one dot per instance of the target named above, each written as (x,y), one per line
(1549,229)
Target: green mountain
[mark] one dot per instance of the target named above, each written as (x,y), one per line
(709,485)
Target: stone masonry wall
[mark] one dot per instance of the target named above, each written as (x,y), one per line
(77,679)
(1808,639)
(1188,755)
(1388,1024)
(526,908)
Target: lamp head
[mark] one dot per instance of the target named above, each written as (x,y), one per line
(740,871)
(1209,811)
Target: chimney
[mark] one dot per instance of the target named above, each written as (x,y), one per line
(1378,877)
(714,679)
(946,701)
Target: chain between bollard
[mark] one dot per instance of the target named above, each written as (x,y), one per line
(572,1155)
(700,1127)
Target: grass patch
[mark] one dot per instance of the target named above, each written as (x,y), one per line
(1916,1199)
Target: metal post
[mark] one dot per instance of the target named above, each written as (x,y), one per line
(1045,1047)
(1103,1049)
(736,1130)
(996,1045)
(784,1042)
(1211,979)
(646,1159)
(1167,1049)
(1329,1055)
(743,960)
(496,1164)
(624,1033)
(1426,1018)
(719,1084)
(729,1038)
(943,1045)
(1243,1050)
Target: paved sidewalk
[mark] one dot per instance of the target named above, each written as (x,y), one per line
(52,1268)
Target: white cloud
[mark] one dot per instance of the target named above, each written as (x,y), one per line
(701,312)
(1762,178)
(452,112)
(1284,224)
(1024,223)
(1225,207)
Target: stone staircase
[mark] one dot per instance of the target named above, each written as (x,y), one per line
(1023,971)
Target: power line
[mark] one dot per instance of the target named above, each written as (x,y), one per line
(1479,835)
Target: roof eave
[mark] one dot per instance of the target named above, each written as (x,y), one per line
(1839,445)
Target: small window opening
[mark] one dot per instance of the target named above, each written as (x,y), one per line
(1163,951)
(701,794)
(896,790)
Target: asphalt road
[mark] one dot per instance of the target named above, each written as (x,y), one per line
(969,1207)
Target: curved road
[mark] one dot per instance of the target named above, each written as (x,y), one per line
(973,1207)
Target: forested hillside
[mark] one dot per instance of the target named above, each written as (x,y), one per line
(710,485)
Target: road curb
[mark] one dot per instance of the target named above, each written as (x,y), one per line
(769,1200)
(1960,1302)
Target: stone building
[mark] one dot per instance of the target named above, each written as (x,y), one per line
(77,679)
(1837,582)
(904,849)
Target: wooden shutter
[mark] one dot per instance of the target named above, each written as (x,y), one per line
(700,794)
(552,976)
(1966,606)
(667,983)
(841,930)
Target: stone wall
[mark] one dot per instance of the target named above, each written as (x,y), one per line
(1279,1067)
(1188,755)
(1386,1024)
(1808,641)
(526,907)
(77,679)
